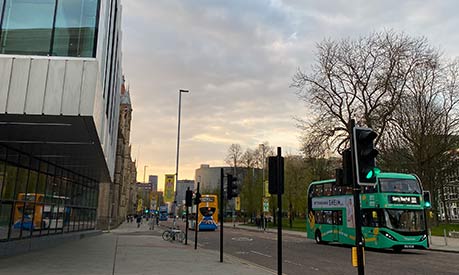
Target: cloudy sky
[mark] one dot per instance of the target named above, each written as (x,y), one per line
(237,58)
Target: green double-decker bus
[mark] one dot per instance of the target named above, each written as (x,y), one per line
(392,212)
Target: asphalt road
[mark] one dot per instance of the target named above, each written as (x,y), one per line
(304,256)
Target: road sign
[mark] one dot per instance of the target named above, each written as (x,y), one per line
(238,204)
(265,205)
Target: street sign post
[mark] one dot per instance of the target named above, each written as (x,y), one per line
(276,186)
(265,205)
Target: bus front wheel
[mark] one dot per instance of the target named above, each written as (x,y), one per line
(318,237)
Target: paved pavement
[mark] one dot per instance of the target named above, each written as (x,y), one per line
(436,243)
(127,250)
(132,250)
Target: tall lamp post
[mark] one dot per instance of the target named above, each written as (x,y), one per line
(178,150)
(263,183)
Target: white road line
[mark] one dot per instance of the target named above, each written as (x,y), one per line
(293,263)
(261,254)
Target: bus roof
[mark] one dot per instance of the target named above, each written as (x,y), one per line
(381,176)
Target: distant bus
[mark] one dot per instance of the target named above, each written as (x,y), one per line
(48,212)
(393,214)
(208,213)
(163,213)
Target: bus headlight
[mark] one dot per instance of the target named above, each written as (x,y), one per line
(423,237)
(387,235)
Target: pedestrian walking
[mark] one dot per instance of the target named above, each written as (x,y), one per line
(139,220)
(151,224)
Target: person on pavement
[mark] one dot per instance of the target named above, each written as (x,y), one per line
(139,220)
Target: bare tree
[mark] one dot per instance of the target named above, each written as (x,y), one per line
(362,79)
(422,136)
(233,158)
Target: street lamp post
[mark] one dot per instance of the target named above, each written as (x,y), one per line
(178,150)
(263,182)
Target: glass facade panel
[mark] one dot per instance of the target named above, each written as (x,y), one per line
(37,201)
(2,177)
(21,184)
(5,215)
(27,27)
(9,182)
(49,27)
(75,28)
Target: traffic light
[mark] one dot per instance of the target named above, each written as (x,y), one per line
(197,198)
(188,197)
(427,199)
(147,211)
(365,156)
(231,187)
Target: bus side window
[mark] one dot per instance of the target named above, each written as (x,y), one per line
(337,190)
(370,217)
(348,190)
(327,189)
(319,190)
(338,217)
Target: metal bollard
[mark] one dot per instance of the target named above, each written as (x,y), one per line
(429,236)
(444,235)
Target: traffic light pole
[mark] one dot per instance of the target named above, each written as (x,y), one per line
(222,195)
(196,222)
(356,191)
(279,214)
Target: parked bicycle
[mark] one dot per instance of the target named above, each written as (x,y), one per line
(173,234)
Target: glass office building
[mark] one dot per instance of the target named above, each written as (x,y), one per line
(39,198)
(49,27)
(60,80)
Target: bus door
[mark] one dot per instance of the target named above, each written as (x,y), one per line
(337,217)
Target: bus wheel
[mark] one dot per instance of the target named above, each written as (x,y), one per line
(397,249)
(318,237)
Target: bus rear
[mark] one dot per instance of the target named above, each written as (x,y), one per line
(208,213)
(163,213)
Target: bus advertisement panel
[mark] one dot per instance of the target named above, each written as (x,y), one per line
(208,213)
(392,212)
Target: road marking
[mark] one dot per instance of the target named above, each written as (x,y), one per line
(293,263)
(242,239)
(242,252)
(261,254)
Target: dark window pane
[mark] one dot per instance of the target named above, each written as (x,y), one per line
(9,182)
(2,177)
(49,189)
(5,213)
(27,27)
(21,183)
(18,209)
(75,28)
(33,178)
(41,185)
